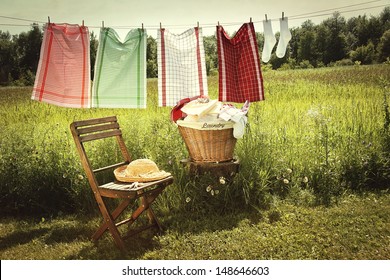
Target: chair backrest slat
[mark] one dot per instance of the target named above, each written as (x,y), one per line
(110,167)
(97,128)
(100,135)
(95,121)
(94,129)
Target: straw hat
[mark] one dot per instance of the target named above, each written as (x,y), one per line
(140,170)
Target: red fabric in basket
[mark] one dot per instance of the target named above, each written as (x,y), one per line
(176,112)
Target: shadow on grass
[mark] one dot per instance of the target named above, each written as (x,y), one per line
(105,248)
(195,223)
(74,233)
(176,223)
(21,237)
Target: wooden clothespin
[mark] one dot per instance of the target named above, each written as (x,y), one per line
(48,20)
(250,19)
(102,23)
(282,15)
(197,24)
(142,27)
(266,18)
(83,23)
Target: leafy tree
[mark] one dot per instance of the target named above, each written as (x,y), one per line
(364,54)
(384,19)
(306,48)
(294,42)
(211,52)
(335,41)
(7,57)
(375,30)
(321,44)
(361,30)
(151,58)
(28,47)
(384,46)
(93,45)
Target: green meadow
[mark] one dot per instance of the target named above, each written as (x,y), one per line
(313,181)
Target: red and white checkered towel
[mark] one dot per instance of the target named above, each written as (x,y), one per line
(63,74)
(240,77)
(181,66)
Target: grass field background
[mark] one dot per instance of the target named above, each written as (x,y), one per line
(315,154)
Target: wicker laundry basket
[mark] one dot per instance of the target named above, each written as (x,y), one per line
(209,145)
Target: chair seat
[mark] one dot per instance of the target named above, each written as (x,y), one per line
(131,190)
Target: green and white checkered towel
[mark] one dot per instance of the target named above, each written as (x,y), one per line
(120,70)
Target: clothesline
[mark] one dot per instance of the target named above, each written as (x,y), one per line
(309,15)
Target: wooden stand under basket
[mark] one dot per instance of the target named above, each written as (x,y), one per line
(227,169)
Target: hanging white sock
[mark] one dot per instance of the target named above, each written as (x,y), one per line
(269,41)
(285,37)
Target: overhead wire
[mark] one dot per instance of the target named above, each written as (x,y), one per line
(22,19)
(309,15)
(341,12)
(336,9)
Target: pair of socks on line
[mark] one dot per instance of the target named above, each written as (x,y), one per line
(270,40)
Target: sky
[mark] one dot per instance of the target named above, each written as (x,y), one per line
(176,15)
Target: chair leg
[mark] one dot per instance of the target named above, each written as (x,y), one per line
(115,214)
(109,219)
(146,201)
(116,235)
(109,223)
(152,217)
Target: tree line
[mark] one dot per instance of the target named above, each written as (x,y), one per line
(335,41)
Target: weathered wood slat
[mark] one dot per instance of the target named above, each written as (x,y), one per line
(95,121)
(134,187)
(120,186)
(110,167)
(100,135)
(97,128)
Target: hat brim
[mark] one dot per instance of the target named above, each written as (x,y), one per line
(121,176)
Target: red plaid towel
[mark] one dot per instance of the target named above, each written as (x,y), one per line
(240,76)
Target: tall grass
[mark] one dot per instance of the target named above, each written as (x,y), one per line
(319,133)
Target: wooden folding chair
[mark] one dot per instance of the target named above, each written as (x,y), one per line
(100,128)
